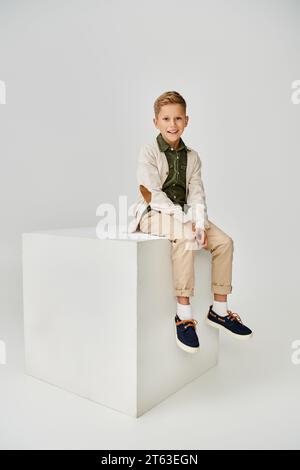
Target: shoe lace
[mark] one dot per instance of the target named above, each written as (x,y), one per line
(234,316)
(190,322)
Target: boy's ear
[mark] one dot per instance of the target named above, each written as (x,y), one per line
(145,193)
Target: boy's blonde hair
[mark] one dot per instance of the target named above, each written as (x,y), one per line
(167,98)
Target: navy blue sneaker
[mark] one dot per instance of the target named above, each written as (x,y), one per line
(186,336)
(232,323)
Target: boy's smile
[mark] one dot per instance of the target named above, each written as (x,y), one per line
(171,122)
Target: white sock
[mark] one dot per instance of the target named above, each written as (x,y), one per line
(184,311)
(220,308)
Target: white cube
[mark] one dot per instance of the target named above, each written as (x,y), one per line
(99,317)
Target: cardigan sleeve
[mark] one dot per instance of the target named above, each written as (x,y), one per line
(196,198)
(149,181)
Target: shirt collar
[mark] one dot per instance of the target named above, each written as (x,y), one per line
(163,145)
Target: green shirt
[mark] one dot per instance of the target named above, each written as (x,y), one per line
(175,184)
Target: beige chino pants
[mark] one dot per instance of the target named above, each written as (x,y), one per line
(184,247)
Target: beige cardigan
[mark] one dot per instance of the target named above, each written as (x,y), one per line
(152,171)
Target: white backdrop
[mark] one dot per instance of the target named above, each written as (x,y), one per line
(81,78)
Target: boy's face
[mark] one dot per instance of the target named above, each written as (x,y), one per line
(171,122)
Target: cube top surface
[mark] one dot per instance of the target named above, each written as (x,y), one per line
(116,233)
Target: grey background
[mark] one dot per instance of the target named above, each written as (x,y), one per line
(81,79)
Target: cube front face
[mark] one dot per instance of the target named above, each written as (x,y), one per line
(79,299)
(99,319)
(163,368)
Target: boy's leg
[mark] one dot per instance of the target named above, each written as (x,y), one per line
(182,239)
(221,247)
(218,243)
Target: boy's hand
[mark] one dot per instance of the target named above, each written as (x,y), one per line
(203,239)
(201,236)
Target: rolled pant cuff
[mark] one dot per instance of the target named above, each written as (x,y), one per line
(184,292)
(221,289)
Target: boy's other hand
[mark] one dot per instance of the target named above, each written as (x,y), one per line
(201,236)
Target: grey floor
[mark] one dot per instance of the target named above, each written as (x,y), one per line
(249,401)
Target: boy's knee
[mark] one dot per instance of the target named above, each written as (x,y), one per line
(228,241)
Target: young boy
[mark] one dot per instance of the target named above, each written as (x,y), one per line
(172,203)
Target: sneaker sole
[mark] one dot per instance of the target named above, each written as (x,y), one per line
(184,347)
(222,328)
